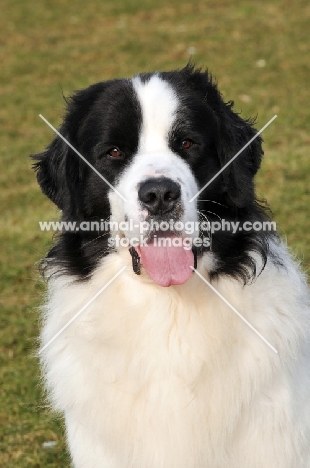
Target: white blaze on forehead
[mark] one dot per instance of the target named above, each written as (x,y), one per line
(159,104)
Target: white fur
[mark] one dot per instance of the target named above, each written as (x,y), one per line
(152,377)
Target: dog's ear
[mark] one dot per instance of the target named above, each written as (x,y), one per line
(59,168)
(238,176)
(51,167)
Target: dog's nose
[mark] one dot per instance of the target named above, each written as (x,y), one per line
(159,195)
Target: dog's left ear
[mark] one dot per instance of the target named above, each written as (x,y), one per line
(238,177)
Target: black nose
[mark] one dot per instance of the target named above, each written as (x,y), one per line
(159,195)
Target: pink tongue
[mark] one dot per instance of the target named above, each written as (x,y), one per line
(167,265)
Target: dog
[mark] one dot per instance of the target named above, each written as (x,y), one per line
(142,349)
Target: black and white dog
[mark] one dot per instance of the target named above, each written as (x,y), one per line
(157,371)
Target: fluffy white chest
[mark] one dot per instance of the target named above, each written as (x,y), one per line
(157,377)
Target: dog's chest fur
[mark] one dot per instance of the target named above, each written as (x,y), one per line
(164,377)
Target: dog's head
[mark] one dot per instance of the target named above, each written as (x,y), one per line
(157,140)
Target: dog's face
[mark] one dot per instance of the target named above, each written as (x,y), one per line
(157,139)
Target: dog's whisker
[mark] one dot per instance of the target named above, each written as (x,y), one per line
(215,214)
(209,231)
(212,201)
(203,216)
(96,238)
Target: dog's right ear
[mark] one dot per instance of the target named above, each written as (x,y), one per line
(58,168)
(51,170)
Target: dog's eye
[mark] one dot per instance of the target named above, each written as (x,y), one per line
(186,144)
(115,153)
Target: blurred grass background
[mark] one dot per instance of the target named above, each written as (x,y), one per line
(259,52)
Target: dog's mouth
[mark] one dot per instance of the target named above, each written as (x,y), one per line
(167,258)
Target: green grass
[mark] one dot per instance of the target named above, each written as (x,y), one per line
(49,48)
